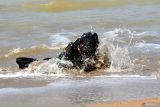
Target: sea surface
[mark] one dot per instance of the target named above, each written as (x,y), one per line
(128,29)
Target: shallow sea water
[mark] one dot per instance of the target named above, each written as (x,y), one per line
(129,29)
(65,92)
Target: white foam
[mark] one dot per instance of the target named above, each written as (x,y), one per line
(53,66)
(60,38)
(38,48)
(127,32)
(118,32)
(118,54)
(22,74)
(127,76)
(49,67)
(122,42)
(14,51)
(146,33)
(122,35)
(19,74)
(147,45)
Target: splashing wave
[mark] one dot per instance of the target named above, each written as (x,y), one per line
(116,44)
(29,51)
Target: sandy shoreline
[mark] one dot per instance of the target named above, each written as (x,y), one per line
(22,83)
(155,102)
(78,92)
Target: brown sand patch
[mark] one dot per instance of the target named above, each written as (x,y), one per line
(134,103)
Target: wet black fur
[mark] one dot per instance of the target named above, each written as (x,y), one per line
(76,55)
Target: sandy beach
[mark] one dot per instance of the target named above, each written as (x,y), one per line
(80,92)
(155,102)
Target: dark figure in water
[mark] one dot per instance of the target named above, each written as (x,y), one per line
(77,52)
(83,48)
(24,62)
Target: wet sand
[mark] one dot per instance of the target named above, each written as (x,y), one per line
(22,83)
(76,92)
(155,102)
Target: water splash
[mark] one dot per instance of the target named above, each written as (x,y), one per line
(119,54)
(61,38)
(92,31)
(54,66)
(116,44)
(120,60)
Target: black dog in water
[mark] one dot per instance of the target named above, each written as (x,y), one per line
(77,52)
(83,48)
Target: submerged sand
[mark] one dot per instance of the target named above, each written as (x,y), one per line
(22,83)
(78,92)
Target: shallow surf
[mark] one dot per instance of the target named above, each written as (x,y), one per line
(128,30)
(65,92)
(128,52)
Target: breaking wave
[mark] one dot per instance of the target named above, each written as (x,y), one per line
(58,42)
(30,51)
(61,38)
(149,46)
(124,43)
(117,44)
(119,54)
